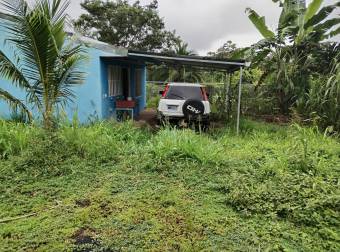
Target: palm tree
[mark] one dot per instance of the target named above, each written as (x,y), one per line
(45,66)
(176,73)
(284,55)
(182,48)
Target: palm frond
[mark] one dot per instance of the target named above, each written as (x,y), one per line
(15,103)
(333,33)
(47,69)
(69,74)
(12,71)
(9,70)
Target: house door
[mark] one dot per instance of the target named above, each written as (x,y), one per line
(126,82)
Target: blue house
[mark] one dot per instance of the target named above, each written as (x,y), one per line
(114,81)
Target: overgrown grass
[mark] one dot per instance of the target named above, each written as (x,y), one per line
(114,187)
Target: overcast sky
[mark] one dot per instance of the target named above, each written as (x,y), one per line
(207,24)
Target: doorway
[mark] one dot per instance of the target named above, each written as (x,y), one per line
(126,82)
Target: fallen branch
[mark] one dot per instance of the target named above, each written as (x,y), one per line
(17,218)
(28,215)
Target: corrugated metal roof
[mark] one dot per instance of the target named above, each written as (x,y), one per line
(229,65)
(102,46)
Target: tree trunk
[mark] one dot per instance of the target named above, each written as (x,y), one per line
(283,102)
(48,116)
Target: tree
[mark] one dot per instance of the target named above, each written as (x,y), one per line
(285,55)
(182,48)
(177,73)
(226,51)
(44,66)
(130,26)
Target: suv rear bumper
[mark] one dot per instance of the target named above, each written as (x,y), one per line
(169,117)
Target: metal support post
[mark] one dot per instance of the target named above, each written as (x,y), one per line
(239,102)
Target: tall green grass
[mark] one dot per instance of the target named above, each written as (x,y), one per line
(14,137)
(273,187)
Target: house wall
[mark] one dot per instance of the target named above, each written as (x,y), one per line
(87,104)
(90,102)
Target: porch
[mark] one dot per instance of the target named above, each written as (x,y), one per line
(123,87)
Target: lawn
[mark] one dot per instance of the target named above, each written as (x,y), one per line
(116,187)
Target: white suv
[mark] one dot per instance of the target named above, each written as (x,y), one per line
(184,102)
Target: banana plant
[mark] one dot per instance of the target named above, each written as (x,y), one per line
(284,54)
(297,25)
(315,25)
(45,66)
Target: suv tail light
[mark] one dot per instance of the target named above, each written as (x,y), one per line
(165,91)
(204,94)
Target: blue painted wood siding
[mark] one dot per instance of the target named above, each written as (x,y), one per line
(92,101)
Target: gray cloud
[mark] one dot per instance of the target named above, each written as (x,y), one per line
(202,22)
(207,24)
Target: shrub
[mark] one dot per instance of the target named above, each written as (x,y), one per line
(323,102)
(47,152)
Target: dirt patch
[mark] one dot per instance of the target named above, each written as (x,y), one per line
(149,117)
(105,209)
(84,236)
(83,202)
(84,240)
(278,119)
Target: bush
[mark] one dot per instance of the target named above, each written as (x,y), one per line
(103,141)
(44,153)
(153,102)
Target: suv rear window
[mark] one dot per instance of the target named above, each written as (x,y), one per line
(184,93)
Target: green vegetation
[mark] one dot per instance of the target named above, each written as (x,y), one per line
(125,24)
(296,59)
(295,68)
(176,73)
(114,187)
(44,64)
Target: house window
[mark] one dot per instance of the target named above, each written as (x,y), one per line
(115,80)
(138,79)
